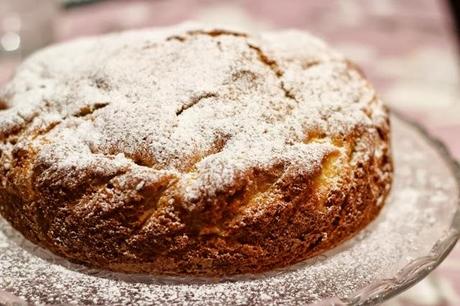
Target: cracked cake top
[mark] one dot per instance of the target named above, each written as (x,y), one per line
(201,105)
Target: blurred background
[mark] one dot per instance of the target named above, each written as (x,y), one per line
(409,50)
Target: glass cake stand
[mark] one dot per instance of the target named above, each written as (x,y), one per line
(415,231)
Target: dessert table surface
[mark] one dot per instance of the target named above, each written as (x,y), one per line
(406,48)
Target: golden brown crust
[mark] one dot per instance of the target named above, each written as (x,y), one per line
(251,243)
(113,217)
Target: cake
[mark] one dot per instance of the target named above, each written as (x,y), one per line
(192,150)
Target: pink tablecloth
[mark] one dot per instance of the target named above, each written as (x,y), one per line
(405,47)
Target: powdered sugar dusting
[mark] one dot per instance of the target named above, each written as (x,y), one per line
(418,213)
(199,103)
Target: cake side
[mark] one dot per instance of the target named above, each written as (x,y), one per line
(192,150)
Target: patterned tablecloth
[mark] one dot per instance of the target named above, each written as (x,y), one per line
(405,47)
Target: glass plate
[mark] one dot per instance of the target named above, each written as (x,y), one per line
(415,231)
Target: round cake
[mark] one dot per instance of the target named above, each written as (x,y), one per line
(191,150)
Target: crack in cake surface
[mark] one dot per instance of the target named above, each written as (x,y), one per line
(89,109)
(193,101)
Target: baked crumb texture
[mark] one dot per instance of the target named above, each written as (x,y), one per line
(191,150)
